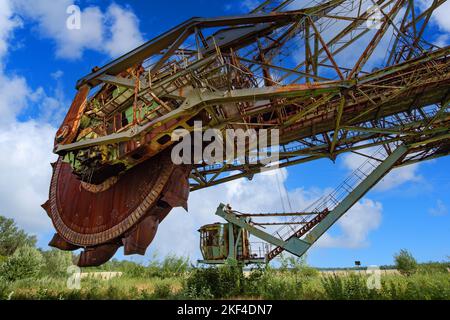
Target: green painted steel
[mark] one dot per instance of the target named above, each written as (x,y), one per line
(293,245)
(356,194)
(298,246)
(224,242)
(231,251)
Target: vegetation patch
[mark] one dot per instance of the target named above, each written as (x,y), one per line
(30,273)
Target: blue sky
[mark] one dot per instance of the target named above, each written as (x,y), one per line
(40,63)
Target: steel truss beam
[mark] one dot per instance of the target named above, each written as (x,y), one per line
(368,135)
(321,107)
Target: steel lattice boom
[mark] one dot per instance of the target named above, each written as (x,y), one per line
(333,77)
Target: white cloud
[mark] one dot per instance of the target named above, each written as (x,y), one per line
(355,226)
(26,153)
(26,147)
(7,24)
(125,34)
(114,32)
(398,177)
(25,173)
(440,15)
(14,94)
(248,5)
(439,210)
(347,58)
(443,40)
(177,234)
(440,18)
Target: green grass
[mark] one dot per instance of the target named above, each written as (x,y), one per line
(175,278)
(228,284)
(94,289)
(31,273)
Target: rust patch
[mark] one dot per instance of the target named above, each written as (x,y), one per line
(87,219)
(69,128)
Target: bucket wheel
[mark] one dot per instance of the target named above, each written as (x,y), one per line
(122,211)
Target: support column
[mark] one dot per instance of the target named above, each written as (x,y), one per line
(231,250)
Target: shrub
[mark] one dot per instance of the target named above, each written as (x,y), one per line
(12,238)
(334,287)
(393,290)
(222,282)
(162,291)
(26,262)
(170,266)
(57,262)
(145,295)
(347,287)
(133,292)
(4,289)
(93,291)
(113,293)
(433,267)
(308,272)
(174,266)
(421,287)
(280,288)
(191,293)
(134,270)
(298,266)
(417,287)
(254,282)
(405,262)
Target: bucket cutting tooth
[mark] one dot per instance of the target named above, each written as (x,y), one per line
(96,256)
(46,207)
(140,238)
(61,244)
(126,213)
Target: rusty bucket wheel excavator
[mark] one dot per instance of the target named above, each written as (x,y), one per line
(114,181)
(124,211)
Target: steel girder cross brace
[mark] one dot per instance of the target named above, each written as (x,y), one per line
(293,245)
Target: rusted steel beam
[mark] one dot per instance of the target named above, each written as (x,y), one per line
(69,128)
(428,11)
(376,39)
(327,50)
(165,40)
(238,75)
(346,31)
(118,81)
(340,111)
(314,153)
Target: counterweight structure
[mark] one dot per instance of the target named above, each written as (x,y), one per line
(333,77)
